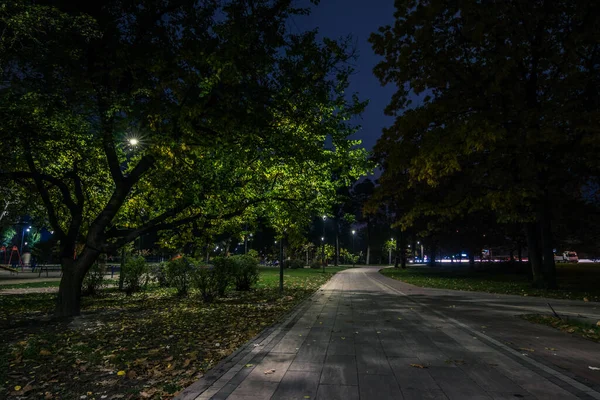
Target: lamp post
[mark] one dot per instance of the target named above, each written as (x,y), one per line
(422,257)
(390,253)
(353,255)
(323,252)
(23,237)
(323,243)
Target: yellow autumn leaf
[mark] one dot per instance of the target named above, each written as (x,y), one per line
(44,352)
(121,373)
(17,388)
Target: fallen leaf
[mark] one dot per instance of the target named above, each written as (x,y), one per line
(186,362)
(418,366)
(526,349)
(17,388)
(586,299)
(131,374)
(170,358)
(249,365)
(44,352)
(121,373)
(269,371)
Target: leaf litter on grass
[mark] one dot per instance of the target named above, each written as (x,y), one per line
(151,343)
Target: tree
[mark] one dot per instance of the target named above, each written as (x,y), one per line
(129,118)
(508,94)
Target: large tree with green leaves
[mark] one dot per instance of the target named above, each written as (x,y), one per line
(509,108)
(129,117)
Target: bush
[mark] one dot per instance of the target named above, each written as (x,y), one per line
(316,265)
(135,274)
(178,273)
(205,280)
(159,272)
(294,264)
(224,269)
(245,272)
(94,280)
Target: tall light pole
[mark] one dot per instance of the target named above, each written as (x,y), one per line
(390,253)
(323,243)
(323,252)
(353,259)
(422,257)
(22,238)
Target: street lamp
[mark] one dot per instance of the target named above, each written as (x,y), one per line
(323,252)
(23,237)
(323,243)
(353,260)
(390,253)
(422,256)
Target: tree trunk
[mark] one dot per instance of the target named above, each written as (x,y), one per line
(402,249)
(472,259)
(532,233)
(368,254)
(121,276)
(281,266)
(69,292)
(520,252)
(547,249)
(432,254)
(397,250)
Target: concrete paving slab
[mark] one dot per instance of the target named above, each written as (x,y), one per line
(470,350)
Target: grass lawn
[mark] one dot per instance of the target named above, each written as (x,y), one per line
(575,327)
(29,285)
(148,345)
(576,281)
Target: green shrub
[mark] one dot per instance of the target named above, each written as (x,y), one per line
(93,280)
(254,254)
(135,274)
(159,272)
(204,279)
(179,274)
(294,264)
(224,270)
(316,265)
(245,272)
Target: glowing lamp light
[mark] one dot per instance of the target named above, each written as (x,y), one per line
(134,141)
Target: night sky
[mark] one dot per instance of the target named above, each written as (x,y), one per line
(358,18)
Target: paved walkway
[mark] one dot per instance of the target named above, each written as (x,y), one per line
(364,336)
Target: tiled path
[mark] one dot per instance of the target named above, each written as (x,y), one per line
(364,336)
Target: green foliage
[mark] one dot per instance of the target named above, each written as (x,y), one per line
(294,264)
(224,271)
(316,265)
(179,273)
(253,253)
(159,272)
(205,280)
(255,122)
(7,236)
(135,274)
(245,273)
(94,280)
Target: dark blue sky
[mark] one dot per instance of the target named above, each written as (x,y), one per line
(358,18)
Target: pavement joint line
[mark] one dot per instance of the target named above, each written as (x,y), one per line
(577,385)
